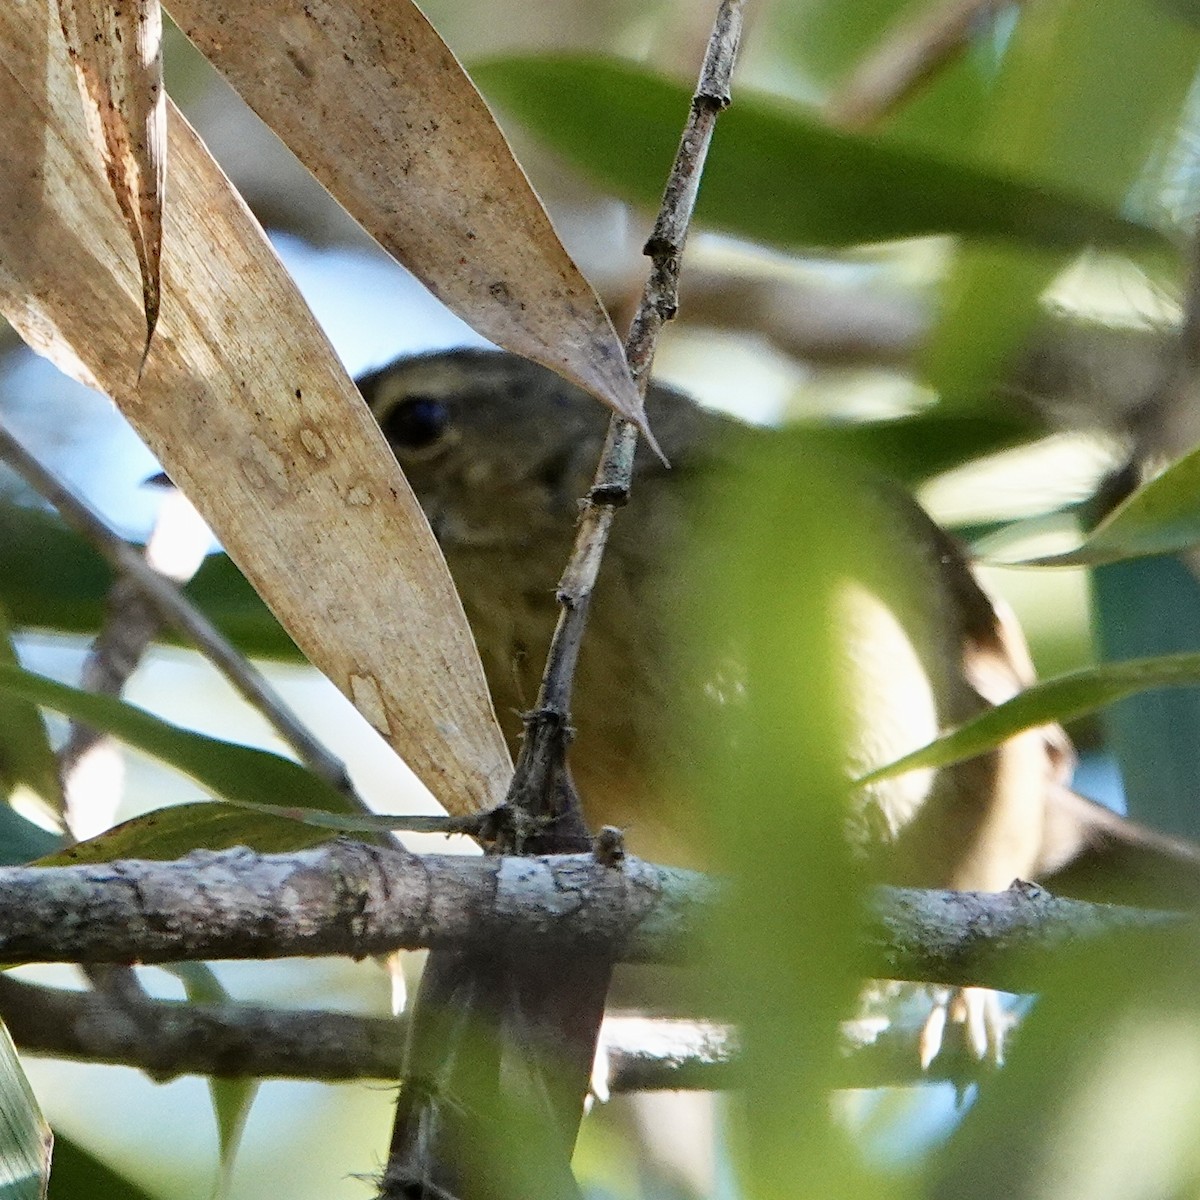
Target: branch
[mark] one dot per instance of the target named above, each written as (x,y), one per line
(544,1008)
(169,1038)
(544,741)
(344,898)
(909,57)
(349,898)
(177,611)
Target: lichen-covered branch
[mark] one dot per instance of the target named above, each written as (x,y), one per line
(349,898)
(343,898)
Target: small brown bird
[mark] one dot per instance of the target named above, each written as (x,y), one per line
(499,451)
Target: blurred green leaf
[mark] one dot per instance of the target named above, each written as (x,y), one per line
(823,40)
(1152,607)
(1065,114)
(1185,10)
(21,840)
(1100,1095)
(79,1175)
(25,754)
(771,793)
(231,1098)
(915,448)
(1059,114)
(1063,699)
(228,770)
(25,1138)
(1162,517)
(52,579)
(990,301)
(169,833)
(776,173)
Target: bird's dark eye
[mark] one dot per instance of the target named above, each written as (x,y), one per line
(416,423)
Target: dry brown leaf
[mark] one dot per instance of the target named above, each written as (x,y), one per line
(117,53)
(372,101)
(245,404)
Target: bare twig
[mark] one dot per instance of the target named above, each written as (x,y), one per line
(89,765)
(543,1007)
(177,611)
(169,1038)
(908,57)
(614,473)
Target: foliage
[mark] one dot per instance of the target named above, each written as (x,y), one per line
(1056,145)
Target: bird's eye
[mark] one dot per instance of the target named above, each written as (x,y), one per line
(416,423)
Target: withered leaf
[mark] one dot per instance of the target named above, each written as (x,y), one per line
(116,50)
(371,100)
(248,409)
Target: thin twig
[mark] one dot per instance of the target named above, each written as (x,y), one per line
(908,57)
(170,1038)
(545,1007)
(89,764)
(614,473)
(177,611)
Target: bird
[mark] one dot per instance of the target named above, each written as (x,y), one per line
(499,451)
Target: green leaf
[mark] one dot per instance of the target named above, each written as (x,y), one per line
(1098,1097)
(1060,114)
(25,754)
(21,840)
(231,1098)
(228,770)
(1153,735)
(79,1175)
(775,172)
(825,38)
(52,579)
(1162,517)
(915,448)
(169,833)
(786,970)
(989,302)
(25,1138)
(356,822)
(1063,699)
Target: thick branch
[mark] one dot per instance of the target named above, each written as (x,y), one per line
(343,898)
(352,899)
